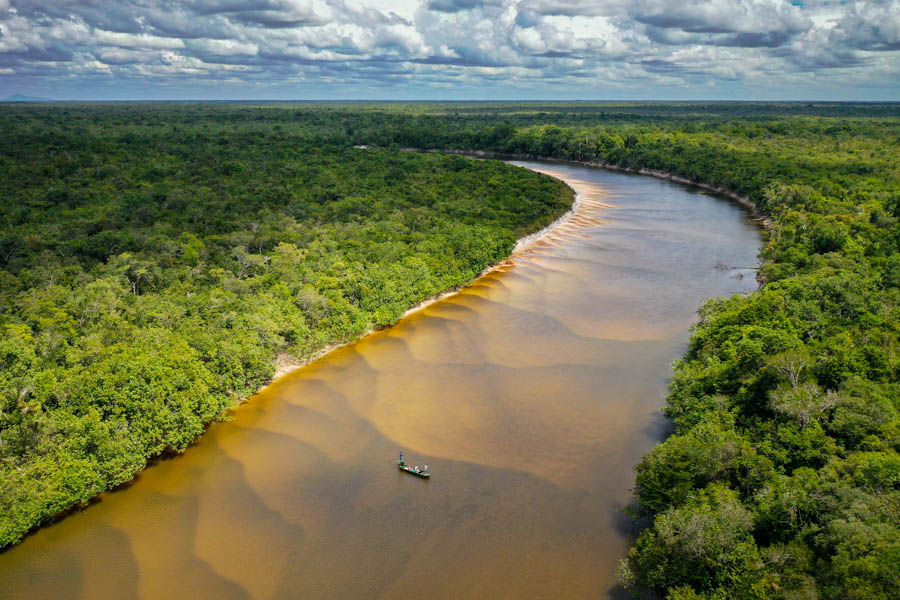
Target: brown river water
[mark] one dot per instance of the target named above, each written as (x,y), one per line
(531,394)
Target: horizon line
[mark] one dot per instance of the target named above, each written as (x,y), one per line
(36,100)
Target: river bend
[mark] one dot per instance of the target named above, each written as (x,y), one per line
(531,394)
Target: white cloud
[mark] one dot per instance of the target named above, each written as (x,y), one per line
(519,44)
(720,16)
(224,47)
(132,40)
(113,55)
(870,26)
(92,66)
(8,42)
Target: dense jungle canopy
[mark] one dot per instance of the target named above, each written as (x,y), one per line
(155,258)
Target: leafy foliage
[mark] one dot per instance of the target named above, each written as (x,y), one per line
(152,270)
(177,248)
(781,480)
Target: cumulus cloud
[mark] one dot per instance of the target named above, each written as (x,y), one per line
(213,47)
(871,26)
(723,16)
(135,40)
(533,46)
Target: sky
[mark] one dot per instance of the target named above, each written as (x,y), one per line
(450,49)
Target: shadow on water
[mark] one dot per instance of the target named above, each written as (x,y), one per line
(659,427)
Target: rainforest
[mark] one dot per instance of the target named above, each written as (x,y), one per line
(156,260)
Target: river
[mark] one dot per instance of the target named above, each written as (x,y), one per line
(531,394)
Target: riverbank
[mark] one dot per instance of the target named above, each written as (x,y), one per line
(286,363)
(194,296)
(744,201)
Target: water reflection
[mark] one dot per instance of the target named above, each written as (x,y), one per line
(531,394)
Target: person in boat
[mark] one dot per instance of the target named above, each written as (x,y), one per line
(425,469)
(416,468)
(401,458)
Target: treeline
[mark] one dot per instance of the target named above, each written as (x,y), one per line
(149,276)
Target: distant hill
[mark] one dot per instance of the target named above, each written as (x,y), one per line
(21,98)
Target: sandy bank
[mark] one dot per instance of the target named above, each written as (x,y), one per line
(744,201)
(286,363)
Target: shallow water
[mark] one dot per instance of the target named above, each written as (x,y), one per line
(530,394)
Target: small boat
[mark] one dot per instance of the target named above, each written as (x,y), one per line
(412,470)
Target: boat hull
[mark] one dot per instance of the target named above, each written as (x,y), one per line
(405,467)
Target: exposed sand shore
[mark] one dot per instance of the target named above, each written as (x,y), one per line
(744,201)
(286,363)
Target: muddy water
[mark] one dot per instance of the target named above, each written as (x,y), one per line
(531,394)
